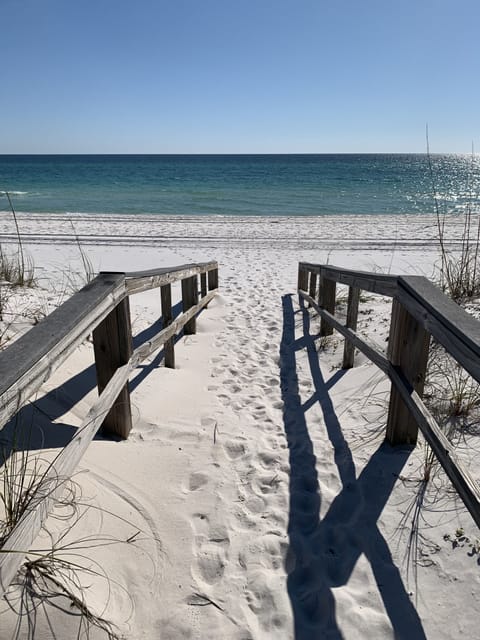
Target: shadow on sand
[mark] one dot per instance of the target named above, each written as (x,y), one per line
(323,552)
(34,426)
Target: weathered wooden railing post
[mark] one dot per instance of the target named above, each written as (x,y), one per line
(302,278)
(352,316)
(326,300)
(313,284)
(166,300)
(203,284)
(190,299)
(213,279)
(408,346)
(112,343)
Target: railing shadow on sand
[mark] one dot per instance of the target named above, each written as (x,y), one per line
(35,426)
(324,551)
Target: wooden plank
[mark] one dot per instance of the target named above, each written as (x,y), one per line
(408,346)
(112,344)
(448,323)
(189,299)
(166,298)
(302,278)
(352,317)
(139,281)
(198,267)
(380,283)
(313,284)
(47,345)
(26,530)
(326,300)
(203,284)
(461,479)
(213,279)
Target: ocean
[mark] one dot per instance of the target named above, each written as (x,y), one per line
(239,185)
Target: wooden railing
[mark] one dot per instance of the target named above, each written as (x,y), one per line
(101,307)
(419,310)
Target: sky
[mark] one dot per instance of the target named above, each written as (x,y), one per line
(239,76)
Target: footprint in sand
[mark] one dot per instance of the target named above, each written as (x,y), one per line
(197,480)
(234,449)
(210,551)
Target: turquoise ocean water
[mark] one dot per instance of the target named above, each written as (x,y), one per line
(279,185)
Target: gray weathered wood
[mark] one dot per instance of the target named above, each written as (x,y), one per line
(448,323)
(189,299)
(302,278)
(203,284)
(408,346)
(213,279)
(26,530)
(47,345)
(313,284)
(352,316)
(166,297)
(381,283)
(138,281)
(326,300)
(112,343)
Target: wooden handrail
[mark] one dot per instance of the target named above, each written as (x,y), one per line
(420,310)
(100,307)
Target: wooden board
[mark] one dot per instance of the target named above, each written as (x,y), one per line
(112,343)
(139,281)
(47,345)
(448,323)
(408,347)
(381,283)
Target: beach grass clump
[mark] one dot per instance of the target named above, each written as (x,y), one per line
(451,394)
(459,271)
(17,269)
(62,574)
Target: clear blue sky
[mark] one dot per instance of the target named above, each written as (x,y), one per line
(239,76)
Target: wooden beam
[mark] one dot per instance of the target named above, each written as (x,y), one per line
(138,281)
(190,299)
(445,320)
(313,284)
(381,283)
(352,316)
(203,284)
(39,352)
(326,300)
(302,278)
(166,298)
(213,279)
(112,342)
(408,346)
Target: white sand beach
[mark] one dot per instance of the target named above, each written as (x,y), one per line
(255,498)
